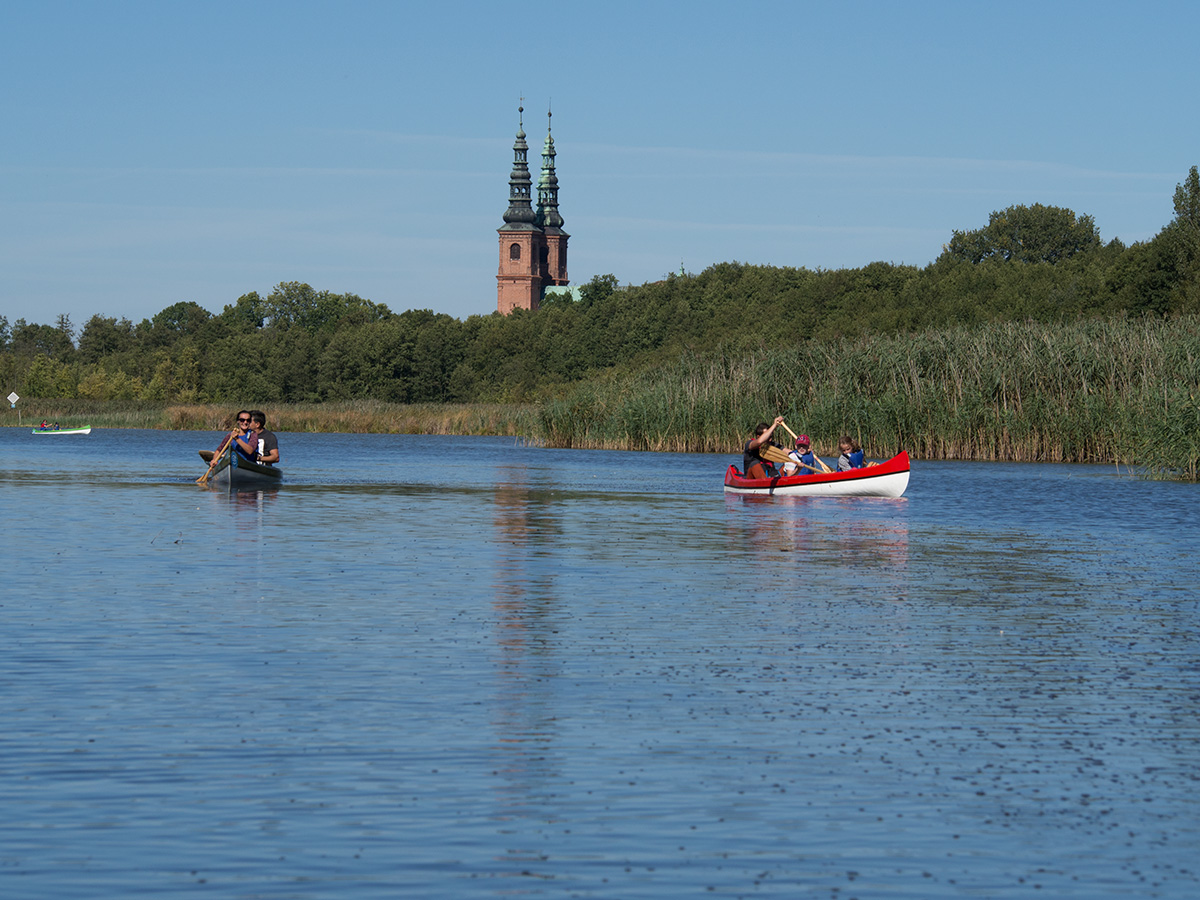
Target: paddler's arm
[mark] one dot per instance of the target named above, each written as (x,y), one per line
(757,442)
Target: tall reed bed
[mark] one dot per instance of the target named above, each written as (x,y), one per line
(1095,391)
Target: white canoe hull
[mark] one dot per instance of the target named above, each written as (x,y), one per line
(86,429)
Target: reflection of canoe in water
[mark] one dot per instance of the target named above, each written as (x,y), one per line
(234,472)
(888,479)
(83,429)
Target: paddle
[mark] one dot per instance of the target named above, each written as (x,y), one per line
(203,479)
(824,468)
(774,454)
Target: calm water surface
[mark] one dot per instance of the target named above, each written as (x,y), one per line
(442,667)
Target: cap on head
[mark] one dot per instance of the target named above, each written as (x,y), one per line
(802,441)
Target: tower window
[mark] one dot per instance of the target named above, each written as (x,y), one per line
(514,251)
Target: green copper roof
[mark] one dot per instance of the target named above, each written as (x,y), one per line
(520,214)
(547,211)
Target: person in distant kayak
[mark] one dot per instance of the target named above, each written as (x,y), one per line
(851,454)
(752,463)
(803,460)
(268,444)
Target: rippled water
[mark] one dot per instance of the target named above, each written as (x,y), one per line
(440,667)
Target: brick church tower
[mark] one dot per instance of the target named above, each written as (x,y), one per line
(533,246)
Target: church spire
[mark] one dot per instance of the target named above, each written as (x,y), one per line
(547,209)
(520,212)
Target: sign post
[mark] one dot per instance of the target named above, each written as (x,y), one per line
(13,398)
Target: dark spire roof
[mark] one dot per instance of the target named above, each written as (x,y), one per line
(547,209)
(520,215)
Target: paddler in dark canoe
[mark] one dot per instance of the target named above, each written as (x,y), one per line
(753,463)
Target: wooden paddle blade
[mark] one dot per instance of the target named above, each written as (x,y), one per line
(774,454)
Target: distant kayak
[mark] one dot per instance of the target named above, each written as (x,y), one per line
(85,429)
(887,479)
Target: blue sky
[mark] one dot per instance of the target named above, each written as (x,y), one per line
(160,152)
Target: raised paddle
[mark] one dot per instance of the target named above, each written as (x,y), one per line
(824,468)
(203,479)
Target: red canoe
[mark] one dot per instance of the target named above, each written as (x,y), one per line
(888,479)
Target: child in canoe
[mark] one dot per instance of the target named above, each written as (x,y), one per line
(802,460)
(851,454)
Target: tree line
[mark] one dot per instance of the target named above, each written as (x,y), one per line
(1036,263)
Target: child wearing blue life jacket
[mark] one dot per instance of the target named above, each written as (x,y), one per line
(802,461)
(851,454)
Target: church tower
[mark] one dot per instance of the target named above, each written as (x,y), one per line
(533,246)
(554,258)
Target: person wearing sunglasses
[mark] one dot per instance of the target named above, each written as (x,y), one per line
(243,439)
(245,442)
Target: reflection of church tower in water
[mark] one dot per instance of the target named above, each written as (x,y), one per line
(533,246)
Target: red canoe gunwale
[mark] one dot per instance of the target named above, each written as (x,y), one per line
(888,479)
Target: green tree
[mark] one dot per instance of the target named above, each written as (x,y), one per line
(1027,234)
(1143,279)
(104,336)
(63,324)
(369,361)
(294,304)
(32,339)
(248,314)
(289,358)
(436,353)
(183,319)
(49,378)
(232,373)
(600,287)
(187,373)
(1187,202)
(1183,234)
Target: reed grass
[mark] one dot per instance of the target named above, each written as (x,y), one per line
(356,417)
(1093,391)
(370,417)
